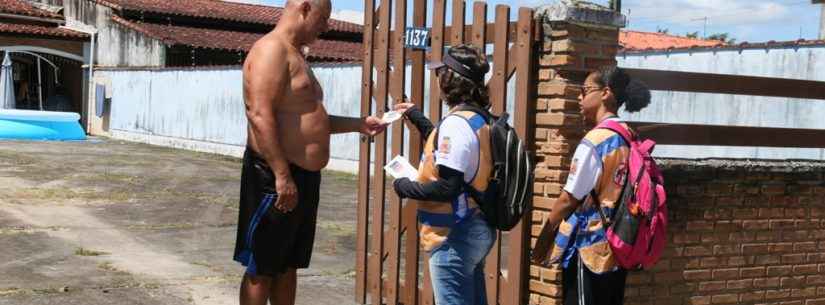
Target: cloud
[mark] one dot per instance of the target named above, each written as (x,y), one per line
(719,13)
(348,15)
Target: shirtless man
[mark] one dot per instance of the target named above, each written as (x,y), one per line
(287,146)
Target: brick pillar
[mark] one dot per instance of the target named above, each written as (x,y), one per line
(577,38)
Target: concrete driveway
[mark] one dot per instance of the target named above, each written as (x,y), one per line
(108,222)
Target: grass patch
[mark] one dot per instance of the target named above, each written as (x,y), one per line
(10,291)
(107,266)
(87,252)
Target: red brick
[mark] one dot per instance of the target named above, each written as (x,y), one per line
(752,272)
(767,260)
(740,284)
(771,282)
(815,302)
(724,298)
(804,247)
(815,280)
(756,248)
(777,294)
(793,258)
(752,296)
(699,226)
(725,250)
(712,286)
(698,251)
(756,224)
(726,274)
(773,189)
(805,269)
(804,292)
(783,224)
(699,300)
(670,277)
(782,247)
(779,270)
(697,275)
(792,282)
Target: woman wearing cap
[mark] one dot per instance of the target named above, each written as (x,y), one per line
(598,170)
(456,160)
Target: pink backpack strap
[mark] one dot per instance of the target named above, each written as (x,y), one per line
(618,128)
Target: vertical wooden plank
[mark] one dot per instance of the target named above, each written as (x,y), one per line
(436,52)
(498,93)
(459,13)
(379,182)
(479,25)
(364,160)
(525,101)
(498,82)
(397,80)
(411,245)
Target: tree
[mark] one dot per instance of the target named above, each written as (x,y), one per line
(724,37)
(662,30)
(694,35)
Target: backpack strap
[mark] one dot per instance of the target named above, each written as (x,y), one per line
(618,128)
(595,197)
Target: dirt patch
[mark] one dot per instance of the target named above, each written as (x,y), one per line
(93,222)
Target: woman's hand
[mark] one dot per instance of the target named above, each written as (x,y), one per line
(403,107)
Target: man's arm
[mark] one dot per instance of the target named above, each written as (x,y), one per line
(266,80)
(369,125)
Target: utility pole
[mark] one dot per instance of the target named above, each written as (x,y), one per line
(616,5)
(705,31)
(821,18)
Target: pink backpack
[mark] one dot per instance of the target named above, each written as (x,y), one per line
(637,232)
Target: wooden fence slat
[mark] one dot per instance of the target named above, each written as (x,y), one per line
(479,26)
(393,234)
(379,178)
(498,99)
(729,84)
(717,135)
(364,160)
(410,219)
(489,32)
(437,42)
(498,82)
(457,27)
(517,264)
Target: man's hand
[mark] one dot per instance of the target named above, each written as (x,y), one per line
(372,126)
(287,194)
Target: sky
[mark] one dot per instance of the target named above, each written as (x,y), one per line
(743,20)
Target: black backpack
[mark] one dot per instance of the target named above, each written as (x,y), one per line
(510,190)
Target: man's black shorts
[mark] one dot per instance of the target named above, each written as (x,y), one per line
(269,242)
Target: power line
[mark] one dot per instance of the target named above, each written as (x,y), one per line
(691,18)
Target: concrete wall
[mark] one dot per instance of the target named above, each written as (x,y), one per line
(807,62)
(116,46)
(202,109)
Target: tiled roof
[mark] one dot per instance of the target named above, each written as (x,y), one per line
(216,9)
(37,30)
(320,51)
(802,43)
(19,7)
(638,41)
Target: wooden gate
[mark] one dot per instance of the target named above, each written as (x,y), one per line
(390,268)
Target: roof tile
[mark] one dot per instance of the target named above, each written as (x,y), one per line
(633,40)
(216,9)
(37,30)
(19,7)
(320,51)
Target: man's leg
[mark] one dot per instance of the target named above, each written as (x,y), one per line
(282,290)
(255,289)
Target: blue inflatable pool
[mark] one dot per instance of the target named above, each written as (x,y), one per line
(40,125)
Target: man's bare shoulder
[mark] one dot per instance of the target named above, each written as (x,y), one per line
(268,53)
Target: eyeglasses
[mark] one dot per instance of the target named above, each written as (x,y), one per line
(590,89)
